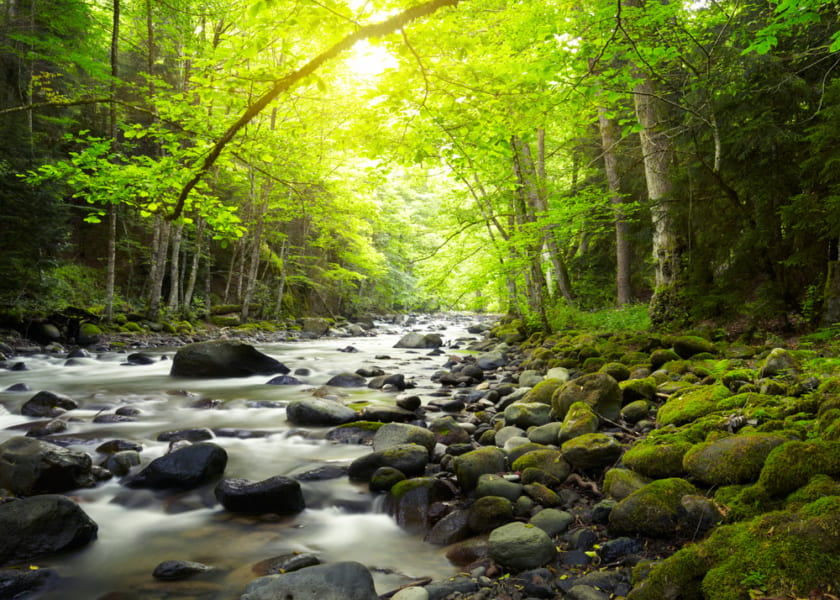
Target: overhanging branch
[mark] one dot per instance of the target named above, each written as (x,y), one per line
(383,28)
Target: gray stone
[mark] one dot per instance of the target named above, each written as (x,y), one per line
(506,433)
(394,434)
(47,404)
(41,525)
(519,546)
(223,358)
(778,362)
(410,459)
(598,390)
(277,495)
(29,466)
(547,434)
(470,466)
(419,340)
(530,414)
(591,451)
(318,412)
(337,581)
(552,521)
(183,469)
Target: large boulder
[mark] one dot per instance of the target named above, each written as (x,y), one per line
(318,412)
(527,414)
(223,358)
(47,404)
(41,525)
(337,581)
(29,466)
(183,469)
(419,340)
(732,460)
(599,390)
(519,547)
(278,495)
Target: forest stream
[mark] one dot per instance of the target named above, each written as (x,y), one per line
(138,528)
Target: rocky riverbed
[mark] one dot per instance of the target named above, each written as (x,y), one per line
(573,466)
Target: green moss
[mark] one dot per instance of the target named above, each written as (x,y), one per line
(406,486)
(638,389)
(543,391)
(679,576)
(730,460)
(132,327)
(361,425)
(616,370)
(593,364)
(792,465)
(657,459)
(692,405)
(820,486)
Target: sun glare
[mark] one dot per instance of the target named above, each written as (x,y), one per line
(368,60)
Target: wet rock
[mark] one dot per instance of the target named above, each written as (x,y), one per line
(277,495)
(223,358)
(410,502)
(490,361)
(18,387)
(112,446)
(452,528)
(182,469)
(460,586)
(318,412)
(496,485)
(337,581)
(29,466)
(41,525)
(139,358)
(358,432)
(419,341)
(387,414)
(178,570)
(189,435)
(394,434)
(47,404)
(410,459)
(620,483)
(411,403)
(447,431)
(120,463)
(285,563)
(17,583)
(384,478)
(546,465)
(519,546)
(284,380)
(347,380)
(778,362)
(579,420)
(619,548)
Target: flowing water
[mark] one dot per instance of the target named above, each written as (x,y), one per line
(138,528)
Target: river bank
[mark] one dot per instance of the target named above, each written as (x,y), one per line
(567,466)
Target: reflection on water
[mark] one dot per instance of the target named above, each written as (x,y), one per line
(138,529)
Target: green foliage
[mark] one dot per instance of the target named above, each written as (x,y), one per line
(627,318)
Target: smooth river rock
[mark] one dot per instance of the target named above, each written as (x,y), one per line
(183,469)
(338,581)
(29,466)
(223,358)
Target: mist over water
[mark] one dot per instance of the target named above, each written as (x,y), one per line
(139,528)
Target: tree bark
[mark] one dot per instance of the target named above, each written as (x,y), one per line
(175,269)
(111,270)
(668,304)
(609,141)
(196,259)
(159,251)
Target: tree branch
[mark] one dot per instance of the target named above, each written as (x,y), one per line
(383,28)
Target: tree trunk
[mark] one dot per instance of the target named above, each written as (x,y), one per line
(253,267)
(278,307)
(609,141)
(193,276)
(175,269)
(159,250)
(111,271)
(668,302)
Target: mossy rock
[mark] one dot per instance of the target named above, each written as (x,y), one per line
(735,378)
(659,358)
(620,483)
(489,512)
(687,346)
(638,389)
(579,420)
(691,405)
(731,460)
(677,578)
(89,333)
(543,391)
(784,553)
(748,400)
(818,487)
(593,364)
(791,465)
(636,411)
(132,327)
(547,460)
(592,451)
(616,370)
(224,320)
(655,510)
(657,459)
(779,362)
(598,390)
(470,466)
(542,494)
(828,425)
